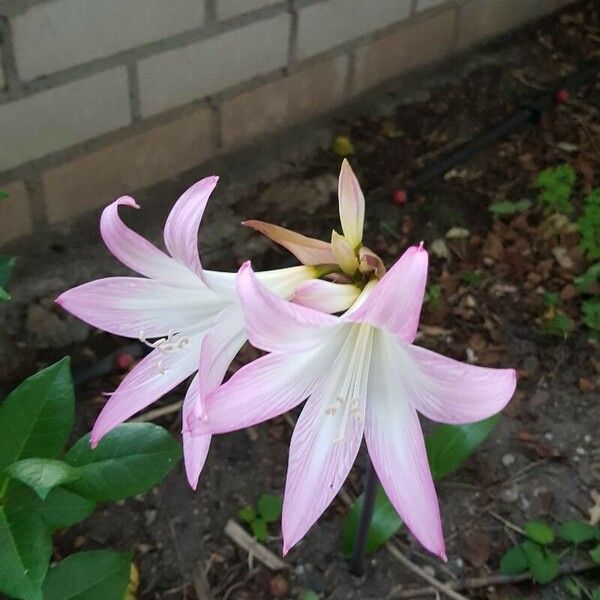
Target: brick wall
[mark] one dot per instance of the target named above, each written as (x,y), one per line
(103,97)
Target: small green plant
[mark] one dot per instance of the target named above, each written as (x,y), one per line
(43,488)
(589,278)
(590,313)
(556,185)
(507,207)
(472,278)
(554,322)
(589,225)
(537,554)
(268,509)
(433,295)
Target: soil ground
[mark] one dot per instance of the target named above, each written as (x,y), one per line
(542,461)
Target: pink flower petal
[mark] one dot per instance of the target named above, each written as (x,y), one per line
(154,376)
(449,391)
(218,348)
(322,451)
(130,306)
(352,205)
(395,303)
(326,296)
(309,251)
(397,449)
(181,228)
(136,252)
(259,391)
(277,325)
(195,447)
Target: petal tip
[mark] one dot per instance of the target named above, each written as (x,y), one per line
(126,201)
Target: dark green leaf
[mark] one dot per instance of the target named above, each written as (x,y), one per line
(596,594)
(269,507)
(7,264)
(448,446)
(42,474)
(94,575)
(4,295)
(539,532)
(578,532)
(25,547)
(63,508)
(595,554)
(247,514)
(310,595)
(384,524)
(543,564)
(572,587)
(506,207)
(259,529)
(3,194)
(514,562)
(128,461)
(36,418)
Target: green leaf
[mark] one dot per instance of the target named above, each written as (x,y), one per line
(572,587)
(578,532)
(42,474)
(3,194)
(247,514)
(269,507)
(384,524)
(128,461)
(26,547)
(259,529)
(310,595)
(94,575)
(543,564)
(36,418)
(514,562)
(448,446)
(7,264)
(560,325)
(556,186)
(589,225)
(595,554)
(63,508)
(596,594)
(590,313)
(591,276)
(506,207)
(539,532)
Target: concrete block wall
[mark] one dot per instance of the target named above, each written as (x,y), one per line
(104,97)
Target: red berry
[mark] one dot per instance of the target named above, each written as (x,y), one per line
(400,197)
(124,360)
(562,96)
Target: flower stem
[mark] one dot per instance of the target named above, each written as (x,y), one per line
(360,542)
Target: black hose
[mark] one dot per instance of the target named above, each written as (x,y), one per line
(528,113)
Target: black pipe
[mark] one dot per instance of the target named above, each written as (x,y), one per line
(529,113)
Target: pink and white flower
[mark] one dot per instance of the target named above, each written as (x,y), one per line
(362,375)
(190,317)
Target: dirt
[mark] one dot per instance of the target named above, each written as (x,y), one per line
(542,461)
